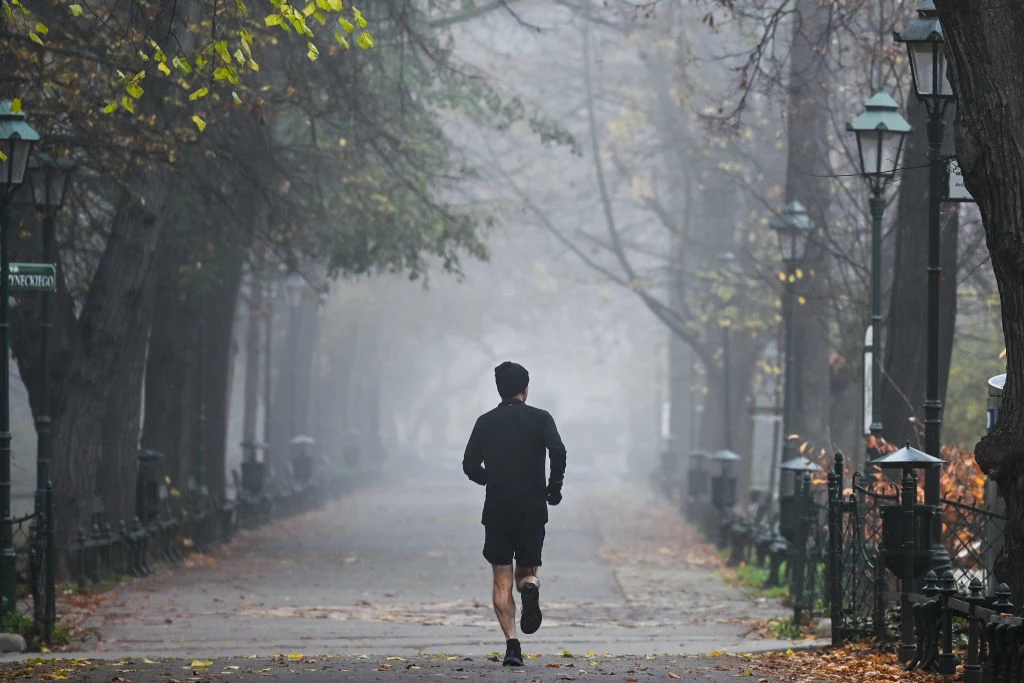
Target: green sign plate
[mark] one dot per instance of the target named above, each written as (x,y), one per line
(33,277)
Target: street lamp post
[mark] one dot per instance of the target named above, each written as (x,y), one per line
(16,140)
(793,227)
(880,132)
(926,49)
(49,181)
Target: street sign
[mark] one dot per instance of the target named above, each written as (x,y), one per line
(956,192)
(33,277)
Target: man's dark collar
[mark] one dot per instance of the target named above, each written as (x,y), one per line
(511,401)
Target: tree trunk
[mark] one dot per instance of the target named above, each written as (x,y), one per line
(171,395)
(221,304)
(808,127)
(253,361)
(105,367)
(986,60)
(903,382)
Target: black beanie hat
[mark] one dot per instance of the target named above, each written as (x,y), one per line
(511,378)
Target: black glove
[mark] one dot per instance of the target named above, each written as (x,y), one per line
(554,493)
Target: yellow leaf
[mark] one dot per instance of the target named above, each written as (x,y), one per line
(236,98)
(365,41)
(253,65)
(16,106)
(358,16)
(239,56)
(346,24)
(200,124)
(313,53)
(42,28)
(201,663)
(35,38)
(1002,354)
(799,273)
(801,300)
(175,493)
(110,108)
(128,104)
(341,39)
(273,20)
(296,656)
(308,9)
(3,157)
(198,94)
(164,69)
(76,10)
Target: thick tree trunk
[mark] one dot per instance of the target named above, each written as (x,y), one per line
(171,382)
(808,126)
(104,369)
(903,382)
(221,304)
(986,62)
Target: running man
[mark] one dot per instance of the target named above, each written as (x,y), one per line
(505,453)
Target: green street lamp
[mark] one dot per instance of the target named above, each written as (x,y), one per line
(50,181)
(880,132)
(926,48)
(793,227)
(16,140)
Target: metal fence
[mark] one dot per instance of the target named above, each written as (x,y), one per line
(962,617)
(112,549)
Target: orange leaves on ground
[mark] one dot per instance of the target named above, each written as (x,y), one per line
(855,662)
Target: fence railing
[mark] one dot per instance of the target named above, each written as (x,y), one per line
(109,549)
(943,619)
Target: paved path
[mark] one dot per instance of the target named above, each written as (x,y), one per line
(396,570)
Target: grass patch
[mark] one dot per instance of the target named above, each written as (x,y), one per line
(783,629)
(751,579)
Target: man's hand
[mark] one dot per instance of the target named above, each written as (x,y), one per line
(554,493)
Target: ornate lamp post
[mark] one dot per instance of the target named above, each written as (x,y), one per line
(49,181)
(16,140)
(791,475)
(906,544)
(926,49)
(793,227)
(880,132)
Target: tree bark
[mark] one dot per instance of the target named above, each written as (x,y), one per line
(903,381)
(103,374)
(986,62)
(171,397)
(221,304)
(253,360)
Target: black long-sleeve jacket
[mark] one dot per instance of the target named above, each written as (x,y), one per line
(506,453)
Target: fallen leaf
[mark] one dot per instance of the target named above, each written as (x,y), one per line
(672,675)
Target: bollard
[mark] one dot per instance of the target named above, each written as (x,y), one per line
(908,647)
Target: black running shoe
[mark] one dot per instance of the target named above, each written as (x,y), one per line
(513,653)
(530,620)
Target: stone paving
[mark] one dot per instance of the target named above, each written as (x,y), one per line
(395,570)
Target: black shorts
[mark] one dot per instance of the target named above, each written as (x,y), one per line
(524,544)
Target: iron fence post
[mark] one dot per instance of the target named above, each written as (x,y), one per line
(835,548)
(908,496)
(50,612)
(800,552)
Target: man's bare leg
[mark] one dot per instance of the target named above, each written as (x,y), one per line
(504,603)
(526,575)
(529,587)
